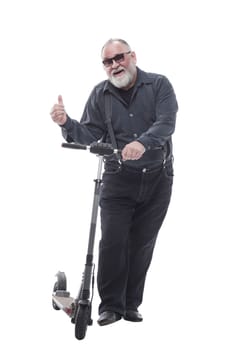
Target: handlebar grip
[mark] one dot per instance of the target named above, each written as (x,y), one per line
(101,148)
(74,145)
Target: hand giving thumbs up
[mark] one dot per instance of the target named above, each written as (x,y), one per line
(58,113)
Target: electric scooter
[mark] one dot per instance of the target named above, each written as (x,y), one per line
(79,309)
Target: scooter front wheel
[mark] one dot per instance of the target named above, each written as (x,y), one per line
(82,320)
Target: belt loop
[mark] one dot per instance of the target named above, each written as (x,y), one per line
(164,159)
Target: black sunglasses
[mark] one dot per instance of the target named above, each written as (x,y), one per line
(117,58)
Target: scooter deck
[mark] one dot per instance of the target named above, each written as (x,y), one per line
(64,302)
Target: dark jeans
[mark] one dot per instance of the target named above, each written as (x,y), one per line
(133,206)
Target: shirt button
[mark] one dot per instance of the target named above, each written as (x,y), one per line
(131,115)
(135,135)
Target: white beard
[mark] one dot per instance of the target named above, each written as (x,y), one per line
(121,82)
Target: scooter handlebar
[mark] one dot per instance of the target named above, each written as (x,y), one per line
(100,148)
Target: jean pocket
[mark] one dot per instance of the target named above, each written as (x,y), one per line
(112,168)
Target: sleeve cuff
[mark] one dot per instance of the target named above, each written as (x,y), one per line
(144,141)
(68,124)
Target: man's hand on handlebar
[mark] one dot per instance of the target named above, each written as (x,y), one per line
(133,151)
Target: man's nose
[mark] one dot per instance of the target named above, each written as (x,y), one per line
(115,64)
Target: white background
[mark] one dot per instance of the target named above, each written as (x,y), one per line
(53,47)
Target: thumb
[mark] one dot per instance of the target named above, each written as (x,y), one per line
(60,100)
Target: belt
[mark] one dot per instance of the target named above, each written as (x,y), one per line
(142,169)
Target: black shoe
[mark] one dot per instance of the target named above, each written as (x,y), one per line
(133,316)
(108,317)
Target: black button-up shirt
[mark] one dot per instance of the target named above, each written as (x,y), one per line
(149,117)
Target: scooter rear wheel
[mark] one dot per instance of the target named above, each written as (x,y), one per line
(61,284)
(61,281)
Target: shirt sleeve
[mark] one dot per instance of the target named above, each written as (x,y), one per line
(91,126)
(166,108)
